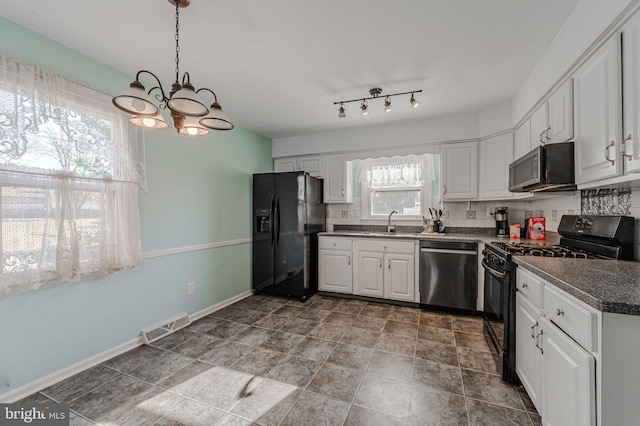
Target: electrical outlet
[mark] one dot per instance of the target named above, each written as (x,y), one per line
(554,215)
(445,214)
(354,212)
(541,213)
(345,214)
(471,214)
(328,214)
(528,213)
(191,287)
(569,211)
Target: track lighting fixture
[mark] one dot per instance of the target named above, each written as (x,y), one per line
(375,94)
(190,115)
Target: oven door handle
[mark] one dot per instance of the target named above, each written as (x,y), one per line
(497,274)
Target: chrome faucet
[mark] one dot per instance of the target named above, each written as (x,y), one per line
(390,227)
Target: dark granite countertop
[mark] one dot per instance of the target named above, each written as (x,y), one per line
(607,285)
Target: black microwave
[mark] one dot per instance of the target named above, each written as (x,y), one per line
(547,168)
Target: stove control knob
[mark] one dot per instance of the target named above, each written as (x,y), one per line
(559,312)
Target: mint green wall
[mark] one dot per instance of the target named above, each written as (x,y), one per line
(199,192)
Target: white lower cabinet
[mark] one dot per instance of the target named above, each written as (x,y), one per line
(568,375)
(335,265)
(528,353)
(370,274)
(381,268)
(399,277)
(386,268)
(558,374)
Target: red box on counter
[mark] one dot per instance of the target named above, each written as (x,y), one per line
(536,227)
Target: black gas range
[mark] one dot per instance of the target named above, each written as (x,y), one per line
(582,237)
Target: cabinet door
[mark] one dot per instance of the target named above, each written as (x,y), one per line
(399,277)
(539,125)
(568,377)
(522,140)
(311,165)
(528,355)
(335,272)
(460,171)
(370,277)
(560,106)
(495,155)
(337,179)
(285,165)
(631,84)
(597,115)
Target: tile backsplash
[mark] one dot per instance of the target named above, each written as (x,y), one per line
(615,201)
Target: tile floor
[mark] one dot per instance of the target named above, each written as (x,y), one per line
(329,361)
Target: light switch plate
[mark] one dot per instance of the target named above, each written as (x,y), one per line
(471,214)
(554,215)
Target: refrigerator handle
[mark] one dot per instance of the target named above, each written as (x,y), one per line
(272,208)
(277,221)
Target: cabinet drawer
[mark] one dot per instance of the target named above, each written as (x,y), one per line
(530,286)
(389,246)
(575,320)
(335,243)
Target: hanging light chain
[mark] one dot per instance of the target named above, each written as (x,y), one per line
(177,40)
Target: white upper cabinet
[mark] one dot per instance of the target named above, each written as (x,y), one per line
(460,171)
(540,125)
(311,164)
(522,140)
(495,155)
(597,114)
(560,113)
(631,84)
(338,179)
(552,122)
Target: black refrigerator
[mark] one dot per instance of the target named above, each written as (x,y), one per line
(288,214)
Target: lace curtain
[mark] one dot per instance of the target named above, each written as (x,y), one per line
(400,171)
(69,177)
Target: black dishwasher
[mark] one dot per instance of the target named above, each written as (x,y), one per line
(449,274)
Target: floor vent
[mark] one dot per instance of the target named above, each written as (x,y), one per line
(158,332)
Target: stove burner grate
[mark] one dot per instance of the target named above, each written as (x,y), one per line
(522,249)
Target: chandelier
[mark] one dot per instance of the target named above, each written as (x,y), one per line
(189,114)
(375,94)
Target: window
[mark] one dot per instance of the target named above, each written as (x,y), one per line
(398,183)
(69,178)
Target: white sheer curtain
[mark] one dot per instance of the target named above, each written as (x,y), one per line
(399,171)
(69,178)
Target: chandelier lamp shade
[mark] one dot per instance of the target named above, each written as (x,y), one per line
(189,112)
(375,94)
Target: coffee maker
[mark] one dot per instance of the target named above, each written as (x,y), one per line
(502,221)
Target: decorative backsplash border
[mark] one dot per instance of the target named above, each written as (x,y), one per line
(615,201)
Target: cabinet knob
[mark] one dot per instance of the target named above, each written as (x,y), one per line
(559,312)
(524,285)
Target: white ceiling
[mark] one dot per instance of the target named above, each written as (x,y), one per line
(278,66)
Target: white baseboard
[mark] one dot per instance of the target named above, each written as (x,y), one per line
(66,372)
(211,309)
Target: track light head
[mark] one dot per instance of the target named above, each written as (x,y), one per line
(341,113)
(364,108)
(414,102)
(387,104)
